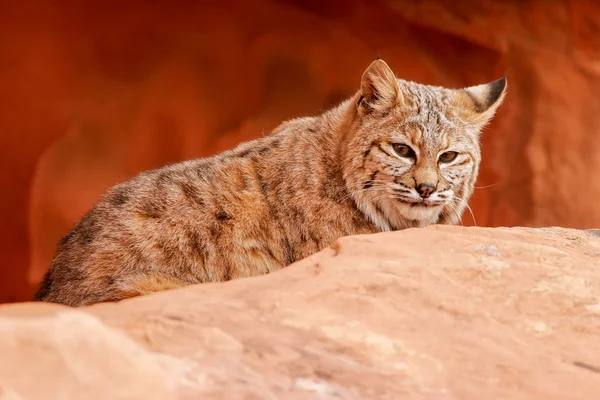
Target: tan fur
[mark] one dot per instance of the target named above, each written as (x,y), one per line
(147,283)
(269,202)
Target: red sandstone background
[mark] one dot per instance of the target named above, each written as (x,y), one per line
(94,92)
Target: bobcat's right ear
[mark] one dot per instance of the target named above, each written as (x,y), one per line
(378,88)
(478,104)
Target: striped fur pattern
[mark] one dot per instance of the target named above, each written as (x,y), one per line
(269,202)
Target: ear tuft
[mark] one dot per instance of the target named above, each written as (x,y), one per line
(379,87)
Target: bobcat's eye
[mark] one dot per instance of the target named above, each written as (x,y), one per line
(448,156)
(403,150)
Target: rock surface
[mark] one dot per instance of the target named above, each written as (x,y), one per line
(100,90)
(436,313)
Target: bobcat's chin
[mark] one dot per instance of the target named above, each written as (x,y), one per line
(402,215)
(426,212)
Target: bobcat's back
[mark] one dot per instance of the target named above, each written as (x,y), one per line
(248,211)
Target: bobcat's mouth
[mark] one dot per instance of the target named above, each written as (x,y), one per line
(424,203)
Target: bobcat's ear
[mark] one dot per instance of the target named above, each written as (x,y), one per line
(478,104)
(378,88)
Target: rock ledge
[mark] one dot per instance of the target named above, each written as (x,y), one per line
(436,313)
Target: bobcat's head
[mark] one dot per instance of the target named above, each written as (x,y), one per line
(412,154)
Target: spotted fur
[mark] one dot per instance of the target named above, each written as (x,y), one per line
(269,202)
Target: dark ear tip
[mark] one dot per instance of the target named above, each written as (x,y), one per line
(500,82)
(496,89)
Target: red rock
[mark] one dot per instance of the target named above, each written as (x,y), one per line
(100,91)
(435,313)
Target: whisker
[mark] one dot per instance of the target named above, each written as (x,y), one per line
(487,186)
(361,190)
(452,206)
(469,208)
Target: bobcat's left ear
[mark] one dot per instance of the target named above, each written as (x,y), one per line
(478,104)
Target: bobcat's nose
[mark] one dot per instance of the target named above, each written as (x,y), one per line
(425,190)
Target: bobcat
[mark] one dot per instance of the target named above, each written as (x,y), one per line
(397,154)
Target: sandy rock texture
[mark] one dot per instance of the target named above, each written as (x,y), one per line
(436,313)
(95,92)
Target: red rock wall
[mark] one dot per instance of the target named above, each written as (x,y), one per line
(94,92)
